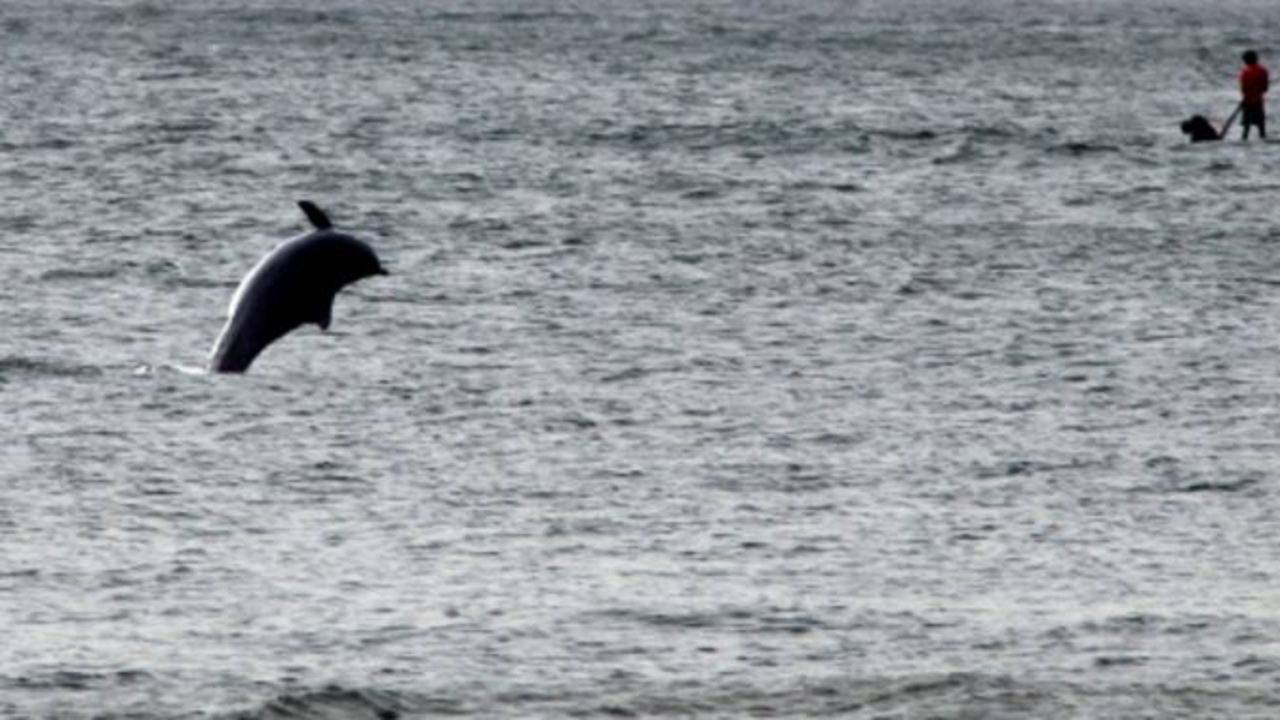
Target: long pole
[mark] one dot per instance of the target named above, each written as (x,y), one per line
(1227,125)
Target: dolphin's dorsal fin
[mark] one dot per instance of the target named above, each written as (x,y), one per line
(315,215)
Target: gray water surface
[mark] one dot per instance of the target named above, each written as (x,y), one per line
(738,360)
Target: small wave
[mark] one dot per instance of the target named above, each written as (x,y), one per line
(1078,148)
(1003,130)
(980,141)
(920,695)
(1107,661)
(749,135)
(977,131)
(703,193)
(768,621)
(19,366)
(182,281)
(74,679)
(335,702)
(185,126)
(631,373)
(291,16)
(676,620)
(512,17)
(1174,478)
(921,284)
(320,481)
(148,10)
(61,274)
(523,244)
(1227,486)
(894,134)
(54,143)
(964,151)
(480,224)
(146,370)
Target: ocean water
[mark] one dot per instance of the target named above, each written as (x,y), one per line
(739,359)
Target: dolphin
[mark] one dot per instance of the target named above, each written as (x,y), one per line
(290,286)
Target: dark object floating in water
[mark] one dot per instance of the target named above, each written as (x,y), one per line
(1199,128)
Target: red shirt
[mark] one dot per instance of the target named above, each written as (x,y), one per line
(1253,83)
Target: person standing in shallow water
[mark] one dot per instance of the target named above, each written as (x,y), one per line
(1253,85)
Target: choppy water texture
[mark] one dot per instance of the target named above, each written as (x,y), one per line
(762,359)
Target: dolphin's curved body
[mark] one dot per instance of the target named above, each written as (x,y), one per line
(292,285)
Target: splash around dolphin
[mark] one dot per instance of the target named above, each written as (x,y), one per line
(292,285)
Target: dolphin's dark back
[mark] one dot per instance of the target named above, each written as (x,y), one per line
(292,285)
